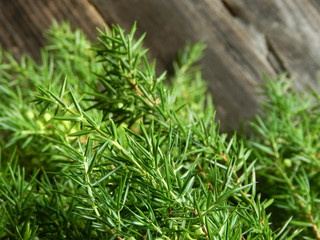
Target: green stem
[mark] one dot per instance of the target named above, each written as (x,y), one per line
(90,193)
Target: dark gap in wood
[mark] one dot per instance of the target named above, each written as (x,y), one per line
(229,8)
(274,59)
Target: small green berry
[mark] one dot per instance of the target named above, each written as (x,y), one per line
(199,231)
(66,125)
(40,125)
(287,162)
(47,117)
(30,114)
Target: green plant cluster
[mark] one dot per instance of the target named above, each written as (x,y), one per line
(286,144)
(96,145)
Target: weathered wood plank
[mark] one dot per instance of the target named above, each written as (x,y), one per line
(245,39)
(23,22)
(231,64)
(291,29)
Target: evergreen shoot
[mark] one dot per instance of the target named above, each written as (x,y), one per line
(96,145)
(286,144)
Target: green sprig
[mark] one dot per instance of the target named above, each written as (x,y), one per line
(97,146)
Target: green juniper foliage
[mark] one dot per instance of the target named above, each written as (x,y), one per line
(96,145)
(288,148)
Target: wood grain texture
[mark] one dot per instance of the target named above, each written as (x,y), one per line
(245,38)
(23,22)
(234,60)
(291,30)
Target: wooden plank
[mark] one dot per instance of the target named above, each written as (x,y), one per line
(291,29)
(23,22)
(231,65)
(241,37)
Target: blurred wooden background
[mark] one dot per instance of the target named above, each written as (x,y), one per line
(245,38)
